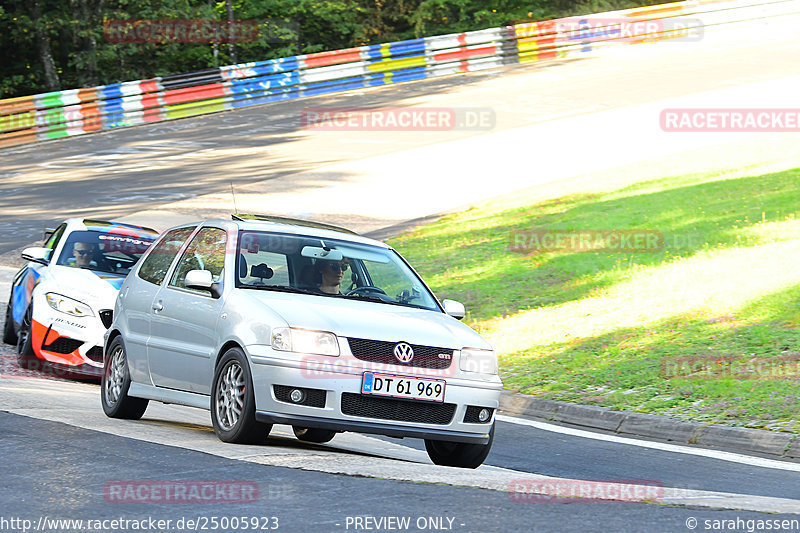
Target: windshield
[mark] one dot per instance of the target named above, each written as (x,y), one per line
(102,252)
(327,267)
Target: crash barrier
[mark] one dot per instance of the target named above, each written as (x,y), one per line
(79,111)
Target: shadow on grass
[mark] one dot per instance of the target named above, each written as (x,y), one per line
(467,256)
(741,369)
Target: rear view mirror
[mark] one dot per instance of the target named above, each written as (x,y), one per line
(329,254)
(37,255)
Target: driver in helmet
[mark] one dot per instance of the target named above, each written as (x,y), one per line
(83,255)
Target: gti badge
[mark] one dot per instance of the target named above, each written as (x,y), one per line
(403,352)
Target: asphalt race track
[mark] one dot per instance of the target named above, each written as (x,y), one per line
(62,458)
(67,468)
(606,109)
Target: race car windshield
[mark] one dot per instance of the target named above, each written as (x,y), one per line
(102,252)
(328,267)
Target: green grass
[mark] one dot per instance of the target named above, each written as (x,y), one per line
(602,328)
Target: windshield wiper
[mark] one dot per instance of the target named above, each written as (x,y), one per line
(381,300)
(278,288)
(368,297)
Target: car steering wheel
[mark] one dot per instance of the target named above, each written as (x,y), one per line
(365,289)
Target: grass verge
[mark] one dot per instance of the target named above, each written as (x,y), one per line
(703,326)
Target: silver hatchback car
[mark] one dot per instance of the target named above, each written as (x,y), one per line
(267,320)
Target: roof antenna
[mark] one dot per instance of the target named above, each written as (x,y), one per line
(235,209)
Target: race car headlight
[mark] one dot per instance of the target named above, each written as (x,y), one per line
(305,341)
(68,305)
(478,361)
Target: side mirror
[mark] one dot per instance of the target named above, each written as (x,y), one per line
(202,280)
(454,309)
(37,254)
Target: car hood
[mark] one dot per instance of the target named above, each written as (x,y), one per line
(372,320)
(98,289)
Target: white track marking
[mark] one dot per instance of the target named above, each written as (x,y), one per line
(675,448)
(78,405)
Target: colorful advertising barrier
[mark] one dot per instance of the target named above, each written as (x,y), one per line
(79,111)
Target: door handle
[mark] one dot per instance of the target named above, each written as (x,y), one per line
(158,307)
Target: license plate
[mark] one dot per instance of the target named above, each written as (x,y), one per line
(431,390)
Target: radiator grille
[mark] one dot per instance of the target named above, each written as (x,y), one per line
(383,352)
(400,410)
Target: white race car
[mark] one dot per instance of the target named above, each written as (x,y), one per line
(62,301)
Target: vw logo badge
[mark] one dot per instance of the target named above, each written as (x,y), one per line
(403,352)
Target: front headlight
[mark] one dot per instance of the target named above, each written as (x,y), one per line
(478,361)
(305,341)
(68,305)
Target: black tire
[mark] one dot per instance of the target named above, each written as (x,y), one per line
(232,391)
(25,337)
(115,383)
(317,435)
(459,454)
(9,335)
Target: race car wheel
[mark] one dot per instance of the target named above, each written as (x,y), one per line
(9,335)
(233,405)
(25,337)
(459,454)
(115,383)
(313,434)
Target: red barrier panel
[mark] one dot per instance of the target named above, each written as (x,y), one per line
(193,94)
(321,59)
(466,53)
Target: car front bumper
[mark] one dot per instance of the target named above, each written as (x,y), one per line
(337,382)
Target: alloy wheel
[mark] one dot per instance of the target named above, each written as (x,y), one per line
(230,396)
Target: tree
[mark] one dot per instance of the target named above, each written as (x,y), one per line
(62,43)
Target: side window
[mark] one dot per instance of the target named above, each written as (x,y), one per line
(205,252)
(52,242)
(256,268)
(155,265)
